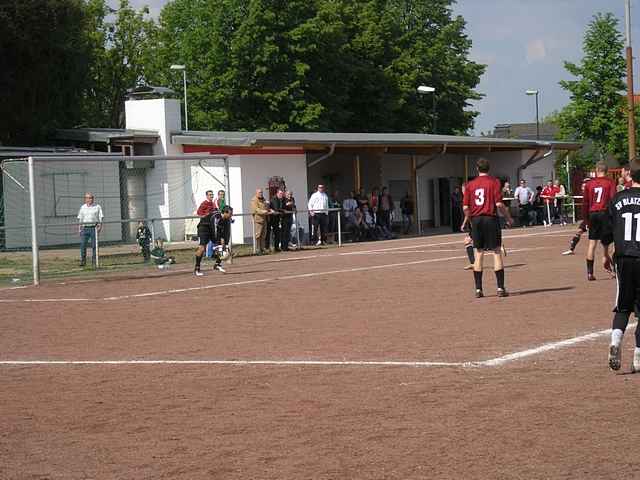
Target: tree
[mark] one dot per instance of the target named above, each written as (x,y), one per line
(597,111)
(324,65)
(44,62)
(119,55)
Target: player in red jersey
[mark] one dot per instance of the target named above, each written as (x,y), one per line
(482,200)
(597,195)
(626,175)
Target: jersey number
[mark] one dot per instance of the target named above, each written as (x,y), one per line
(598,191)
(479,196)
(628,226)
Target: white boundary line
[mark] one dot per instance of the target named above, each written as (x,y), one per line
(248,282)
(494,362)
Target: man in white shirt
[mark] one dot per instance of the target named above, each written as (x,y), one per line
(318,206)
(349,207)
(524,195)
(89,222)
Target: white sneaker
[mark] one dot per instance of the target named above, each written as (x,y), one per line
(198,273)
(568,252)
(319,243)
(615,357)
(219,268)
(544,222)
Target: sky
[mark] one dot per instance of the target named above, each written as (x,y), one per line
(524,44)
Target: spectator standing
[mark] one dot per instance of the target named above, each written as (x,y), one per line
(406,206)
(275,222)
(90,223)
(220,202)
(456,209)
(349,206)
(334,202)
(538,205)
(507,194)
(524,196)
(549,196)
(318,206)
(289,209)
(385,208)
(207,206)
(260,211)
(560,194)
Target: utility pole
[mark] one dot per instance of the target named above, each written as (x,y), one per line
(631,121)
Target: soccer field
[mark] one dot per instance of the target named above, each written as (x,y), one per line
(370,361)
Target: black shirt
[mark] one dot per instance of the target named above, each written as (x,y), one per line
(623,215)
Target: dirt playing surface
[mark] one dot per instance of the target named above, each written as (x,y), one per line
(554,413)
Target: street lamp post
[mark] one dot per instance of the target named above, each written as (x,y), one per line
(536,92)
(424,90)
(184,83)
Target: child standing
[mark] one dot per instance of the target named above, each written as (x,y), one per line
(143,236)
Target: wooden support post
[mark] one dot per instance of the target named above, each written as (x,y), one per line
(356,171)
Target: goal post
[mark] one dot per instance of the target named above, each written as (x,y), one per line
(162,191)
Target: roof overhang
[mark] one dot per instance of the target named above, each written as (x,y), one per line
(107,135)
(388,141)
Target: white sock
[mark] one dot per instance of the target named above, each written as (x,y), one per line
(636,355)
(616,337)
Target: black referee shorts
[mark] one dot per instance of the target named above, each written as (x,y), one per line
(597,225)
(486,233)
(204,234)
(628,277)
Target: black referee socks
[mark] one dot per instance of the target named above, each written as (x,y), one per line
(477,276)
(470,254)
(590,267)
(198,261)
(500,278)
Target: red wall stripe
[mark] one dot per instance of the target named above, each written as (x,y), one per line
(221,150)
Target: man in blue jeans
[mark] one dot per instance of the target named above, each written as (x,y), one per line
(89,224)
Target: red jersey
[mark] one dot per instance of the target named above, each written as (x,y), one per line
(481,195)
(597,194)
(549,192)
(205,208)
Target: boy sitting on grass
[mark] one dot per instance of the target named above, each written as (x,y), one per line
(159,256)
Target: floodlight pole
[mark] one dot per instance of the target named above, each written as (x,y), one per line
(35,254)
(536,93)
(631,121)
(186,108)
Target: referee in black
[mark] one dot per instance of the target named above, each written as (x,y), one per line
(623,229)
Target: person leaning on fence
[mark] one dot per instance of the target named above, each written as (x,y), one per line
(318,208)
(260,212)
(275,221)
(524,196)
(143,237)
(289,209)
(89,224)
